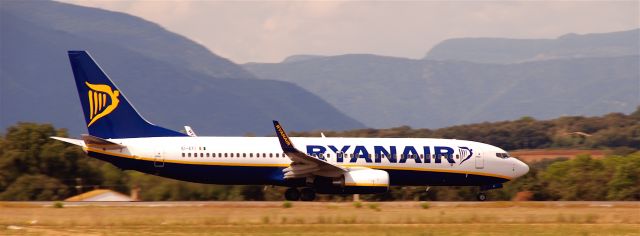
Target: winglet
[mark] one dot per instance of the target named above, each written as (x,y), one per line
(190,131)
(285,142)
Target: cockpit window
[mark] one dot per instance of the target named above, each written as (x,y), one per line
(502,155)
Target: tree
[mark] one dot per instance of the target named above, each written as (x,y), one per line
(35,187)
(28,151)
(625,180)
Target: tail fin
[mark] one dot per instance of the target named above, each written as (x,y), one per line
(106,110)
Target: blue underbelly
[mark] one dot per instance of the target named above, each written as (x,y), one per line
(269,175)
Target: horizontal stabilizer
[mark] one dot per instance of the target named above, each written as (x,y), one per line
(93,141)
(77,142)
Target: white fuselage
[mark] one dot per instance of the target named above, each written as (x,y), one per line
(415,155)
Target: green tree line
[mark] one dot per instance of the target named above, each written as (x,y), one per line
(614,130)
(35,167)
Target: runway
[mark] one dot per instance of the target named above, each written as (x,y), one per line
(401,204)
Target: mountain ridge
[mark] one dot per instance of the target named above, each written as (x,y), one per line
(387,92)
(37,85)
(508,50)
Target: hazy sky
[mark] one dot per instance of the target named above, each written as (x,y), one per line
(270,31)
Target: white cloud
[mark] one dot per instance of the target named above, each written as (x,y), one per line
(270,31)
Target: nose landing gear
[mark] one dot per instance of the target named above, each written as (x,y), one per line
(481,196)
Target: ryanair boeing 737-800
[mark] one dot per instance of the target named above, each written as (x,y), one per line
(306,166)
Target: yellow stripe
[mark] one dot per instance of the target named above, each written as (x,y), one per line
(90,104)
(365,185)
(185,162)
(99,102)
(286,165)
(429,170)
(95,100)
(104,100)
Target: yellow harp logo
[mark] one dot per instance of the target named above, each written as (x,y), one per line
(98,105)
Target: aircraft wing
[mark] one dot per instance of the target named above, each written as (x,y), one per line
(304,165)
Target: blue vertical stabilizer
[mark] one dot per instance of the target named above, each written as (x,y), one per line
(107,112)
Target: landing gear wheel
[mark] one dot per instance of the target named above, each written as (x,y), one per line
(307,194)
(292,194)
(481,197)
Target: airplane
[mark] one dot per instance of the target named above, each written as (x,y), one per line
(306,166)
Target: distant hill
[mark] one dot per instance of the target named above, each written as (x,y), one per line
(298,58)
(171,80)
(127,31)
(387,92)
(503,50)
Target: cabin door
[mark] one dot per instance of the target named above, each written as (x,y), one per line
(479,160)
(158,159)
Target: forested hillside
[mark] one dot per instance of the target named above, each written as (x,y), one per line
(614,130)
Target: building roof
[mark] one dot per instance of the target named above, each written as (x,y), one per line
(100,195)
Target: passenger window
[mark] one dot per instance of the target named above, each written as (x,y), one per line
(225,154)
(250,154)
(277,154)
(244,155)
(207,154)
(201,154)
(183,154)
(270,154)
(189,154)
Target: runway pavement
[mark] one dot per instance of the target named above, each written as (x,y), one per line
(252,204)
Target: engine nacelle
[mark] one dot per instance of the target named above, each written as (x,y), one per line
(358,181)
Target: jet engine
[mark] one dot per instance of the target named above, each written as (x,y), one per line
(356,181)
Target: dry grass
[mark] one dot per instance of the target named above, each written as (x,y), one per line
(409,218)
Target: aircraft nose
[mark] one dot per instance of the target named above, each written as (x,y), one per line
(519,168)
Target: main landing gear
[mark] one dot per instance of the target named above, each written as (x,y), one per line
(306,194)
